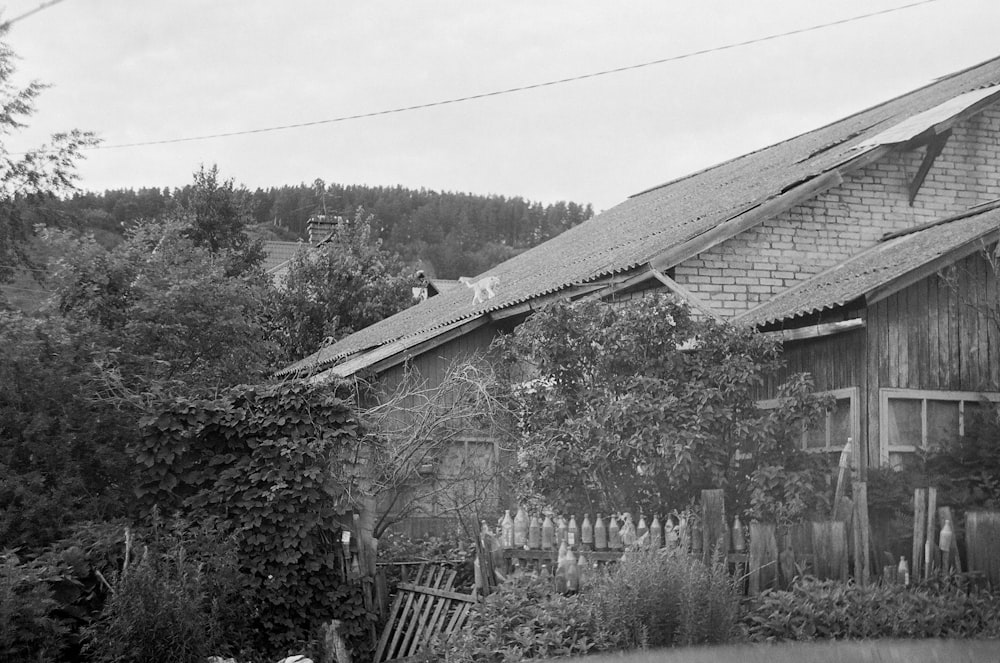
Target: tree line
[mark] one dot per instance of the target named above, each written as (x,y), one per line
(449,234)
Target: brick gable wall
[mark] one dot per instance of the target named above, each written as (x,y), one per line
(741,272)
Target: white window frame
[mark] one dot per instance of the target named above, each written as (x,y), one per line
(851,394)
(923,395)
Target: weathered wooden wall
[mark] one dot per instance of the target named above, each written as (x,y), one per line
(940,333)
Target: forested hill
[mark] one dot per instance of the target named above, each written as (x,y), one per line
(451,234)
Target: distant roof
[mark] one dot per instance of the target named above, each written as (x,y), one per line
(658,221)
(873,273)
(278,253)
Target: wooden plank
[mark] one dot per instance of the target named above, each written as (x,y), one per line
(432,591)
(930,542)
(954,338)
(878,362)
(685,294)
(747,219)
(815,331)
(982,541)
(389,629)
(715,533)
(992,318)
(410,643)
(438,607)
(934,148)
(862,534)
(404,615)
(763,557)
(830,549)
(919,534)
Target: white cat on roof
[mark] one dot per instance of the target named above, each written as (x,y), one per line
(482,289)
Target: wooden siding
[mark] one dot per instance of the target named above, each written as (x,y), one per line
(938,334)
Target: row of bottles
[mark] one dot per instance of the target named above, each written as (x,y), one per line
(614,533)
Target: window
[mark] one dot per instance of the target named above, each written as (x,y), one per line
(914,419)
(843,421)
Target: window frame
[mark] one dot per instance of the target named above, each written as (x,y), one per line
(923,395)
(852,395)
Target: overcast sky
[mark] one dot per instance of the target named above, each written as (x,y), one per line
(146,70)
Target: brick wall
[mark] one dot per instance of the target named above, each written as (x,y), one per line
(747,269)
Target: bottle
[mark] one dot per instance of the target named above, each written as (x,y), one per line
(600,534)
(507,531)
(561,527)
(572,574)
(627,532)
(739,543)
(587,533)
(656,533)
(561,568)
(572,533)
(903,572)
(534,534)
(520,528)
(641,528)
(548,533)
(947,536)
(614,534)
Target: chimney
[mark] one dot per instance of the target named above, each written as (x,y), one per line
(319,227)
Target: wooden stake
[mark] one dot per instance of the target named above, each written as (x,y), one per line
(862,534)
(930,545)
(919,533)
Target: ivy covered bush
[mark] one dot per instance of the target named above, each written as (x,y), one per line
(815,610)
(265,464)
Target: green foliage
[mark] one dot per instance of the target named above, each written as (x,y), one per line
(165,317)
(62,455)
(349,283)
(967,470)
(639,404)
(28,630)
(523,619)
(814,610)
(665,598)
(268,462)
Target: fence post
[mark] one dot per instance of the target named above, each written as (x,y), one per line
(714,532)
(919,532)
(763,557)
(862,535)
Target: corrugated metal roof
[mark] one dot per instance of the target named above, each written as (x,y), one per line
(876,267)
(646,225)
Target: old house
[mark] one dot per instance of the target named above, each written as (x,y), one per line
(863,243)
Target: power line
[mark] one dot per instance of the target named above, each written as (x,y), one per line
(511,90)
(44,5)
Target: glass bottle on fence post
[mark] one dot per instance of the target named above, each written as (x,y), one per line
(586,533)
(656,533)
(534,533)
(507,531)
(548,533)
(572,533)
(600,534)
(520,528)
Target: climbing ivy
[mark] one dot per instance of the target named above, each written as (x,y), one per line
(261,461)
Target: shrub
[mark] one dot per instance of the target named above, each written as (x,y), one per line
(28,631)
(666,598)
(815,609)
(523,619)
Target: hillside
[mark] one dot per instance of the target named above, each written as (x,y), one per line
(449,234)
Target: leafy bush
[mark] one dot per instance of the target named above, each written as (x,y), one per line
(666,598)
(269,462)
(28,630)
(523,619)
(157,613)
(814,610)
(453,551)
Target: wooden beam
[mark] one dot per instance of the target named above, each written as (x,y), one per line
(623,284)
(934,148)
(573,292)
(737,224)
(685,294)
(816,331)
(879,293)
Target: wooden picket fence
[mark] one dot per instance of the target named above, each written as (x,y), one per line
(839,548)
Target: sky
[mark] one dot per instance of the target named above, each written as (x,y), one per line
(148,70)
